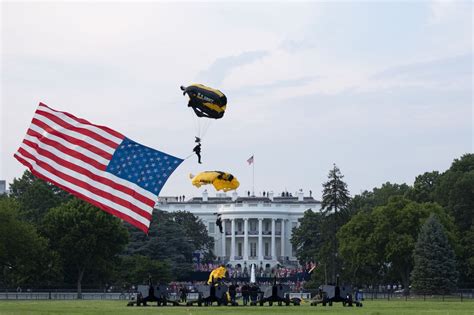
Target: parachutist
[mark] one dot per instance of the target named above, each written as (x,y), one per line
(197,150)
(198,140)
(219,222)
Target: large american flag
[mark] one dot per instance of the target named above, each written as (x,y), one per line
(96,164)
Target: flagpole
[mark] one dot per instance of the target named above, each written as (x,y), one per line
(253,176)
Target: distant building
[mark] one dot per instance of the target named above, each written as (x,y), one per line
(3,187)
(256,230)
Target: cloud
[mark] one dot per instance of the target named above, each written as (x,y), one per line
(273,85)
(453,71)
(292,46)
(222,67)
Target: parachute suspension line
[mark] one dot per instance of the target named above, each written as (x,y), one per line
(197,127)
(206,124)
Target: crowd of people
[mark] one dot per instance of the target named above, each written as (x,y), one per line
(239,272)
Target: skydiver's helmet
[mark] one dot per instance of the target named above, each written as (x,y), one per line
(197,140)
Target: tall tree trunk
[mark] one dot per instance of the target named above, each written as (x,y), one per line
(79,283)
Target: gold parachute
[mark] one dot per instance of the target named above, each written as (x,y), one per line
(220,180)
(216,274)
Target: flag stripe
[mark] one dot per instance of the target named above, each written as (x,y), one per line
(79,129)
(83,188)
(96,176)
(103,149)
(72,140)
(141,225)
(106,132)
(95,159)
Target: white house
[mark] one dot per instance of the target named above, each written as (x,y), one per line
(256,230)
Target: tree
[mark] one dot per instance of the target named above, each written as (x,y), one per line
(424,187)
(24,254)
(362,258)
(434,271)
(36,196)
(195,230)
(335,193)
(334,206)
(455,192)
(390,233)
(136,269)
(172,238)
(86,238)
(368,200)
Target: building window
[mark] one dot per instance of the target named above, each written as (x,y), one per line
(267,249)
(253,249)
(239,226)
(239,249)
(253,225)
(267,226)
(211,227)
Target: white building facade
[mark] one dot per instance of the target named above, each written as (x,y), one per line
(256,230)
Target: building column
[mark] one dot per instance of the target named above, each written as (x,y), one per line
(246,239)
(273,240)
(223,238)
(232,239)
(260,240)
(282,238)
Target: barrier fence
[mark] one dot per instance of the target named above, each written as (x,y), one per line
(460,295)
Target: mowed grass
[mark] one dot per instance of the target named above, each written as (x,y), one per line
(398,307)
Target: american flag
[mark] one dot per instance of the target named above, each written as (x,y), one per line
(250,160)
(96,164)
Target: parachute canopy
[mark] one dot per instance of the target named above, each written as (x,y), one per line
(220,180)
(205,101)
(216,274)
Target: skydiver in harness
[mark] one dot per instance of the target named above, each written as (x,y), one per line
(197,149)
(219,222)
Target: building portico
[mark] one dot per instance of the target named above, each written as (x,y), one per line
(255,230)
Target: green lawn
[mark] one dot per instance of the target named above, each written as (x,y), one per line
(398,307)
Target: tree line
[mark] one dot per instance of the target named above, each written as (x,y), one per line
(49,238)
(420,236)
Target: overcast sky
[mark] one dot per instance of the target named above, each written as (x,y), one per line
(384,90)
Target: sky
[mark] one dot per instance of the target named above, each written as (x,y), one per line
(382,89)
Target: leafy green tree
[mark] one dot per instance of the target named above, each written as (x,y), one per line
(195,229)
(335,208)
(435,264)
(307,237)
(170,240)
(136,269)
(35,196)
(389,232)
(24,254)
(424,187)
(455,192)
(363,260)
(368,200)
(86,238)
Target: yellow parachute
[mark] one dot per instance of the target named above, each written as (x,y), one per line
(216,274)
(220,180)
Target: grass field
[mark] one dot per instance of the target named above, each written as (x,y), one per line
(119,307)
